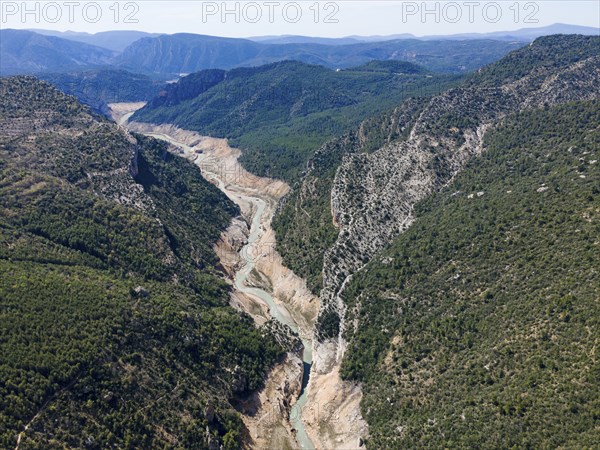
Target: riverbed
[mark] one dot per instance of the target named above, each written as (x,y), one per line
(259,206)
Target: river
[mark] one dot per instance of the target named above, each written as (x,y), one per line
(278,310)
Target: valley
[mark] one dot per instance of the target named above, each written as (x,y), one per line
(303,244)
(328,411)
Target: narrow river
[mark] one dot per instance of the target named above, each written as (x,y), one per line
(248,255)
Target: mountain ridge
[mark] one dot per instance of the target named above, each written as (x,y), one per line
(118,329)
(185,53)
(283,100)
(25,51)
(359,196)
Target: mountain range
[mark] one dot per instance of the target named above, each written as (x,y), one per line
(184,53)
(523,34)
(29,52)
(119,40)
(36,51)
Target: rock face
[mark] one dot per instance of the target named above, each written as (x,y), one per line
(266,412)
(360,190)
(373,194)
(229,245)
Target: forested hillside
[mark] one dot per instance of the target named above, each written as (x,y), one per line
(280,113)
(98,88)
(478,327)
(543,54)
(116,330)
(394,325)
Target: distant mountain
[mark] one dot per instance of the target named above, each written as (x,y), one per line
(112,40)
(24,51)
(526,34)
(523,34)
(97,88)
(186,53)
(377,38)
(292,39)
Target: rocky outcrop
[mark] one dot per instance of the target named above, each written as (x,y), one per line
(266,412)
(229,245)
(373,194)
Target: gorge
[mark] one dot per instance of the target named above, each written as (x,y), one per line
(388,254)
(256,271)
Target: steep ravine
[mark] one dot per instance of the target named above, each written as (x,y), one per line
(265,289)
(374,194)
(373,189)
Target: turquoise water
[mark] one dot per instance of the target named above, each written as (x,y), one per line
(278,312)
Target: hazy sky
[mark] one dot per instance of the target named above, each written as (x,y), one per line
(312,18)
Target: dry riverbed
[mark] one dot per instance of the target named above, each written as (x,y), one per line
(331,416)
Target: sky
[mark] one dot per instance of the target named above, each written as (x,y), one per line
(302,17)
